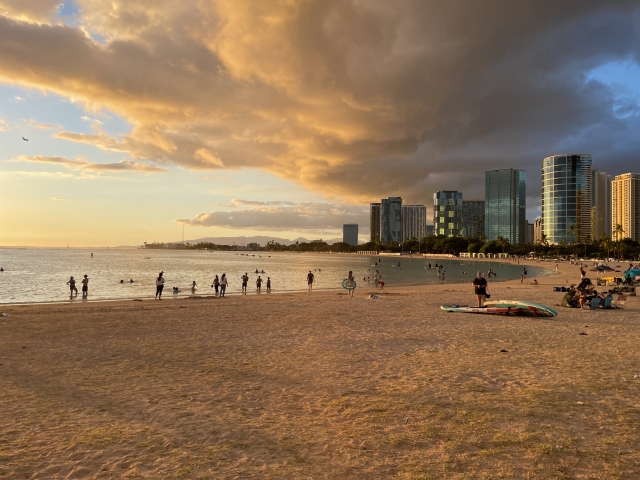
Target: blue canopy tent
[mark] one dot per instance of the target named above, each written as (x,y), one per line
(631,274)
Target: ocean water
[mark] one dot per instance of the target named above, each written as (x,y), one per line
(40,275)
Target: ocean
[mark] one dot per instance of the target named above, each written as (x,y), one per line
(33,275)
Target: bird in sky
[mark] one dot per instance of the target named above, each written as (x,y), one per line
(25,139)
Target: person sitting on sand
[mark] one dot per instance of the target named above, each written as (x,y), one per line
(535,281)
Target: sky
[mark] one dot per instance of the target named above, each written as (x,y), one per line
(286,118)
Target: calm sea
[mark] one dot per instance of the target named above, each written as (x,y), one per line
(40,275)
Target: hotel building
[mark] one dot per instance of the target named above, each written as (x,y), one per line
(374,221)
(625,202)
(350,234)
(414,222)
(566,198)
(505,205)
(447,213)
(472,218)
(600,204)
(391,220)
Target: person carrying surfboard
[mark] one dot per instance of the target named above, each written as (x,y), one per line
(480,285)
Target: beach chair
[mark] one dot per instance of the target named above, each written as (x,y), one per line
(595,302)
(620,301)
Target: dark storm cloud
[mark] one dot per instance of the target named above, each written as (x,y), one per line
(353,99)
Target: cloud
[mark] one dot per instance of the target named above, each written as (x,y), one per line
(58,198)
(85,165)
(4,126)
(300,216)
(35,124)
(357,100)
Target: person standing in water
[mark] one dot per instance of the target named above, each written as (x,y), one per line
(85,287)
(310,278)
(223,284)
(258,283)
(245,279)
(216,284)
(72,286)
(268,284)
(193,287)
(159,286)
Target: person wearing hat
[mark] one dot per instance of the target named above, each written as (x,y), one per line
(480,286)
(72,286)
(85,287)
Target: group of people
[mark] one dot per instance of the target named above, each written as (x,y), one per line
(73,289)
(586,296)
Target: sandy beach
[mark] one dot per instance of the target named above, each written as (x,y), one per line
(321,386)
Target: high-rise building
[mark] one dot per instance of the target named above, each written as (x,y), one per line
(414,222)
(600,204)
(505,205)
(625,211)
(391,220)
(447,213)
(350,234)
(429,230)
(529,233)
(537,230)
(472,218)
(566,198)
(374,221)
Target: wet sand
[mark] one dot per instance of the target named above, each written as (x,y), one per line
(321,386)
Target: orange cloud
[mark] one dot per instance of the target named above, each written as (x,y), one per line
(87,166)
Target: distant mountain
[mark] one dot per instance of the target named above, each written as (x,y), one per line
(260,240)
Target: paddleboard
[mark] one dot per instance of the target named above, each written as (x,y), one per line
(506,307)
(538,309)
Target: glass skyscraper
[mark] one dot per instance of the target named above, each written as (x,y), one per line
(447,213)
(566,198)
(350,234)
(374,221)
(391,219)
(473,218)
(505,205)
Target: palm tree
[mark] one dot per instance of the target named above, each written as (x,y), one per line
(618,232)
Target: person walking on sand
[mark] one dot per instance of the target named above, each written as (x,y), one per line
(480,285)
(216,284)
(258,283)
(223,284)
(85,287)
(268,284)
(351,278)
(159,286)
(245,279)
(72,286)
(310,279)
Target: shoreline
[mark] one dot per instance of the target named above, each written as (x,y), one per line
(253,293)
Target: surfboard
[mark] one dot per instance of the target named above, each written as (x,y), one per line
(506,307)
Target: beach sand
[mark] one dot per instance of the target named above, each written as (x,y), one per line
(321,386)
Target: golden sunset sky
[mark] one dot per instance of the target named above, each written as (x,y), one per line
(287,118)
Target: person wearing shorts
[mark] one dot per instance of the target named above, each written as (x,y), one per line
(245,279)
(268,284)
(310,278)
(159,286)
(258,283)
(223,284)
(480,285)
(350,277)
(72,286)
(85,287)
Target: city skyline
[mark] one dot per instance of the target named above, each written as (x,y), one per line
(287,118)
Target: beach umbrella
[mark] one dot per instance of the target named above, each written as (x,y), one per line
(633,273)
(603,268)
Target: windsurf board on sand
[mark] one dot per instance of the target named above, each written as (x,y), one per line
(506,307)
